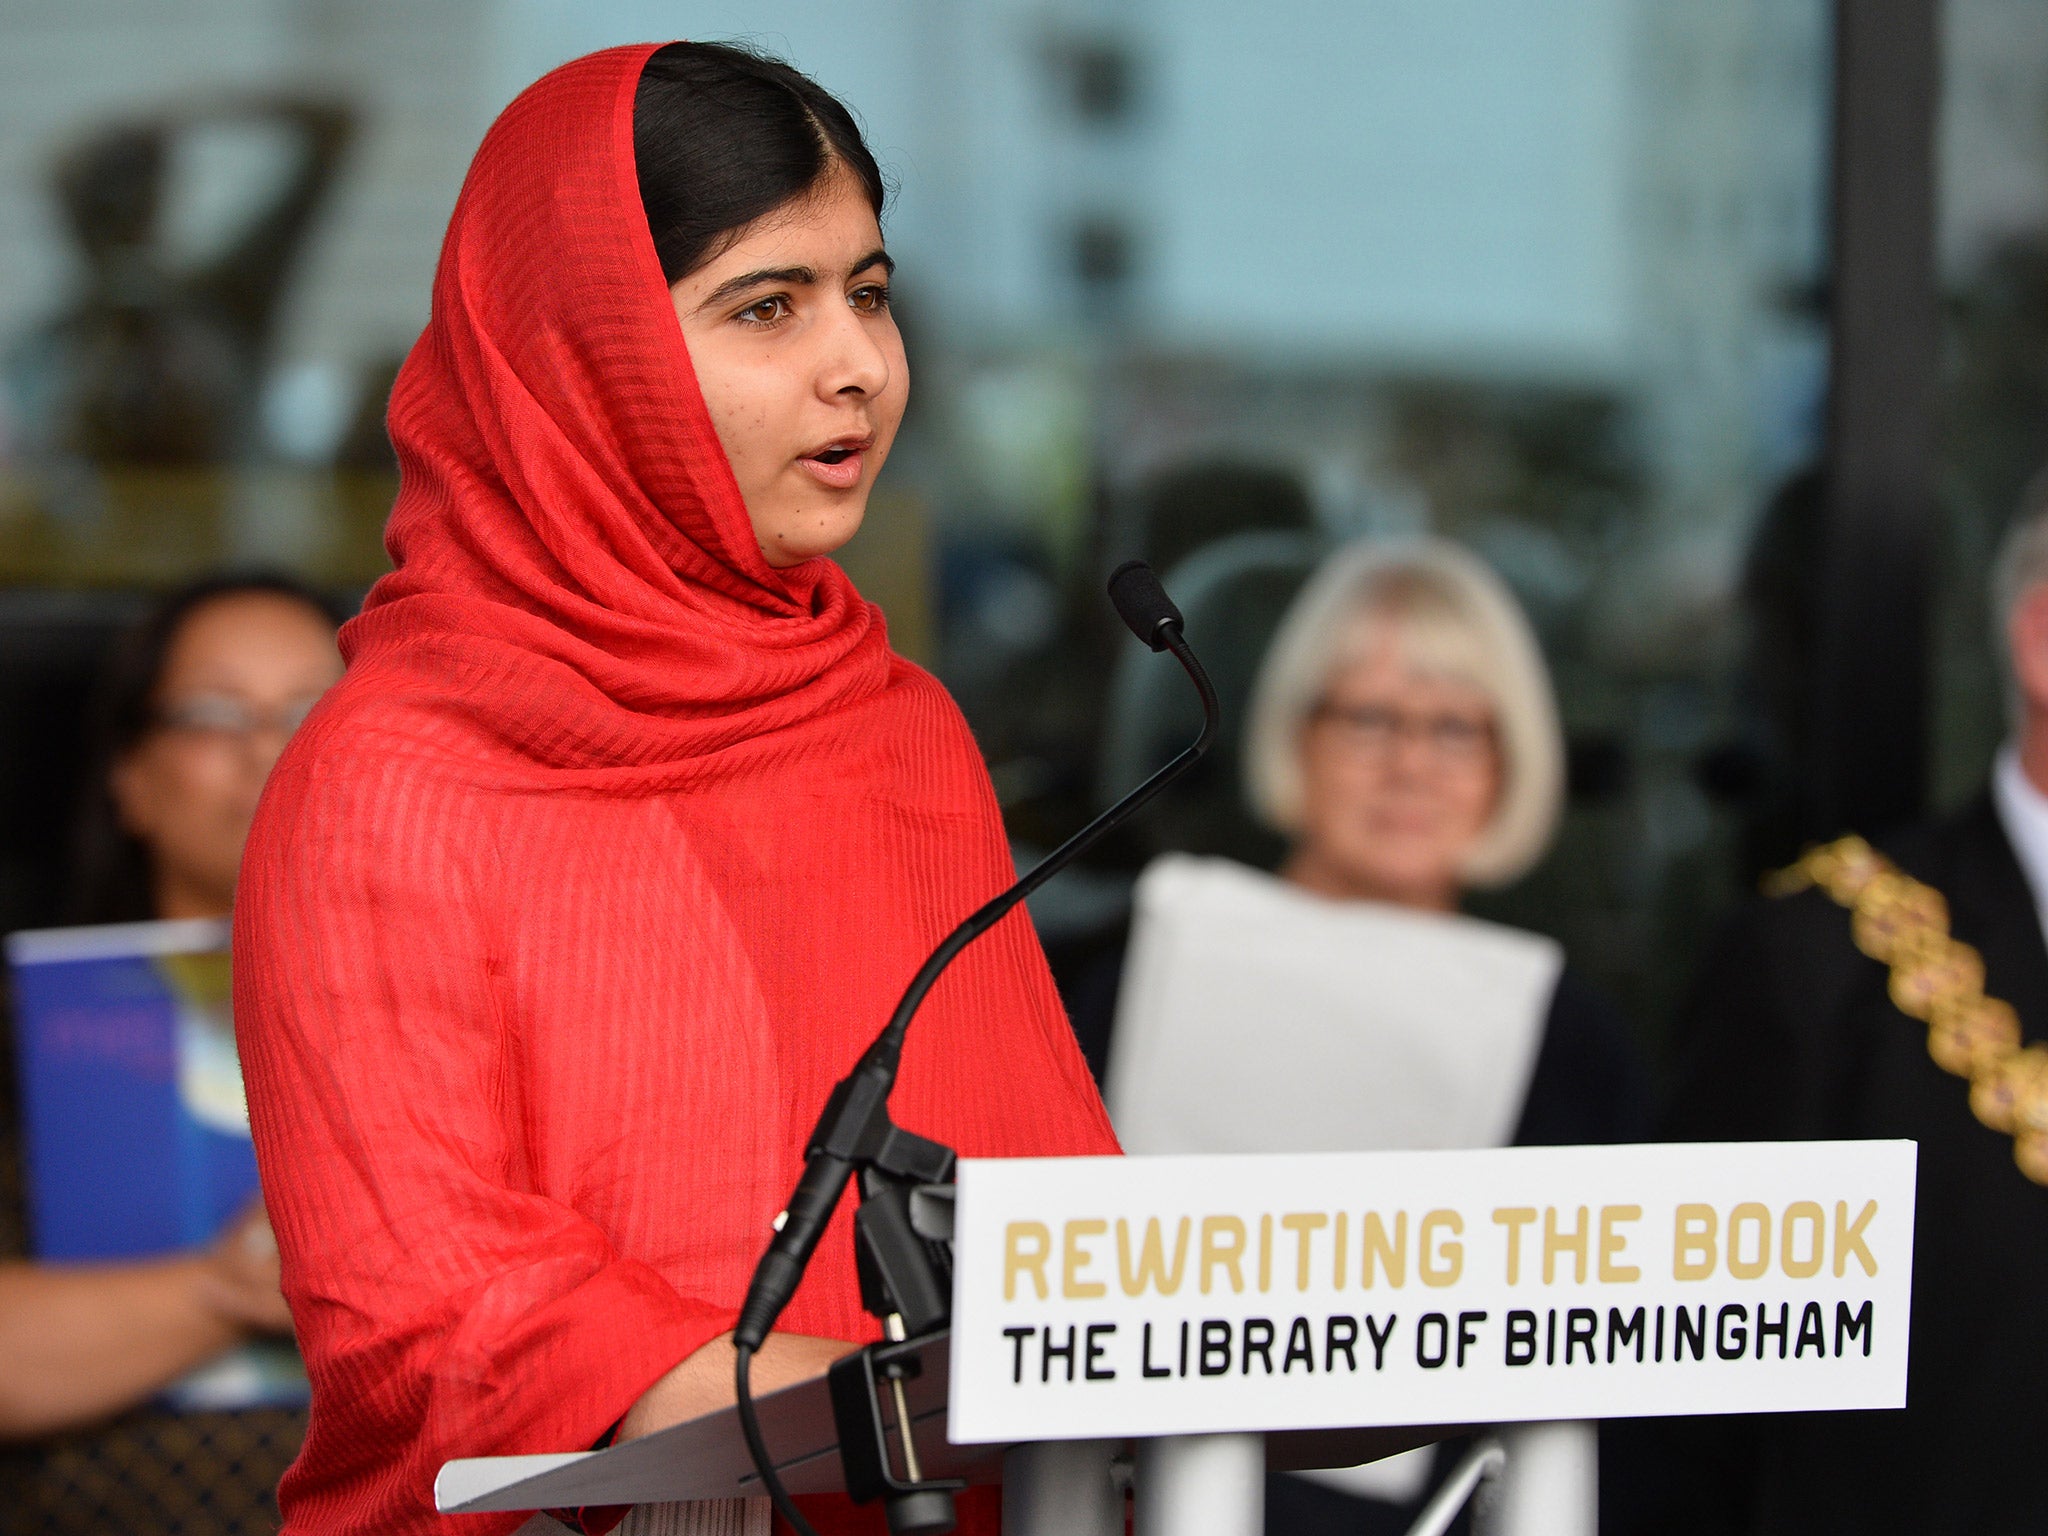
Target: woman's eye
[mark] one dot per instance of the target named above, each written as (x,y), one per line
(766,311)
(869,299)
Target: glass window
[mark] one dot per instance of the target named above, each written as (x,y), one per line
(1216,284)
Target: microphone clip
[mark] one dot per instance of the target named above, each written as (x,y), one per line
(903,1251)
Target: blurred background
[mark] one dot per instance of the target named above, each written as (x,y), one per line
(1719,329)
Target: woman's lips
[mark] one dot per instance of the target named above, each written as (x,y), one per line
(841,475)
(838,464)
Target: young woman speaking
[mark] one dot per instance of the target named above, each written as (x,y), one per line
(625,828)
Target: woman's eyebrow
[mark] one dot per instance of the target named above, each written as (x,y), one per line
(732,287)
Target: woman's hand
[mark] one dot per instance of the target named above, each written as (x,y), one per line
(81,1341)
(239,1278)
(704,1382)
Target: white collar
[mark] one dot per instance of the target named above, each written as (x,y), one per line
(2023,812)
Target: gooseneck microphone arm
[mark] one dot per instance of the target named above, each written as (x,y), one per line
(855,1127)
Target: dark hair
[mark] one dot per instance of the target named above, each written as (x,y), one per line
(723,135)
(110,874)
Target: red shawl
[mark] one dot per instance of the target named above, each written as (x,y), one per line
(611,851)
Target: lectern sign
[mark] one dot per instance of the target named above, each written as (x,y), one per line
(1176,1295)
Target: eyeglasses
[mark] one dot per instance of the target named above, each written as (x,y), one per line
(1373,730)
(223,715)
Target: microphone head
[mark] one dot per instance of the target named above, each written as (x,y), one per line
(1142,603)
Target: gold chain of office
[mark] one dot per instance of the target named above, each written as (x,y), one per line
(1939,980)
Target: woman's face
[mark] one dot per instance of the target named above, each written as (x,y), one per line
(1401,773)
(801,365)
(239,675)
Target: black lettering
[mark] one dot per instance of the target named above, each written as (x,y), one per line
(1620,1330)
(1341,1332)
(1017,1336)
(1726,1347)
(1764,1326)
(1057,1352)
(1691,1331)
(1215,1354)
(1183,1349)
(1581,1326)
(1258,1340)
(1521,1337)
(1096,1352)
(1145,1365)
(1811,1328)
(1466,1336)
(1301,1345)
(1379,1337)
(1443,1340)
(1847,1326)
(1660,1335)
(1550,1339)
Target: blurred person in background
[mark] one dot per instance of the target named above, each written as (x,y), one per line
(1403,737)
(198,702)
(194,708)
(1899,990)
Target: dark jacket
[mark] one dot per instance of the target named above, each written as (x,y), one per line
(1791,1036)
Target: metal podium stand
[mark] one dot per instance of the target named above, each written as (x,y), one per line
(1193,1485)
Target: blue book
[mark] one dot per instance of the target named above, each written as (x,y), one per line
(135,1126)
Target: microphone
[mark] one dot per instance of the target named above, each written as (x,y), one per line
(1143,604)
(855,1131)
(855,1121)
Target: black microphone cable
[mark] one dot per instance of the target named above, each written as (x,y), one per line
(757,1447)
(860,1101)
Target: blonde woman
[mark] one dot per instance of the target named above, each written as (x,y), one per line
(1402,732)
(1403,737)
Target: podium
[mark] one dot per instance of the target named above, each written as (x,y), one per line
(1051,1488)
(1177,1326)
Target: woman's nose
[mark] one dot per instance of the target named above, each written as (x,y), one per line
(1411,755)
(854,361)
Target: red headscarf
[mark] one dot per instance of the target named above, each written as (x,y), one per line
(602,863)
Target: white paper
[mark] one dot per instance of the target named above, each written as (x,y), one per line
(1256,1017)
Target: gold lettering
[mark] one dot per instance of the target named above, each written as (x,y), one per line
(1694,1235)
(1303,1224)
(1074,1258)
(1219,1253)
(1017,1258)
(1265,1254)
(1151,1268)
(1556,1242)
(1394,1255)
(1849,1237)
(1514,1218)
(1440,1266)
(1343,1245)
(1755,1212)
(1808,1211)
(1612,1243)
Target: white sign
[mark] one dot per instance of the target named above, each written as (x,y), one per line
(1102,1296)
